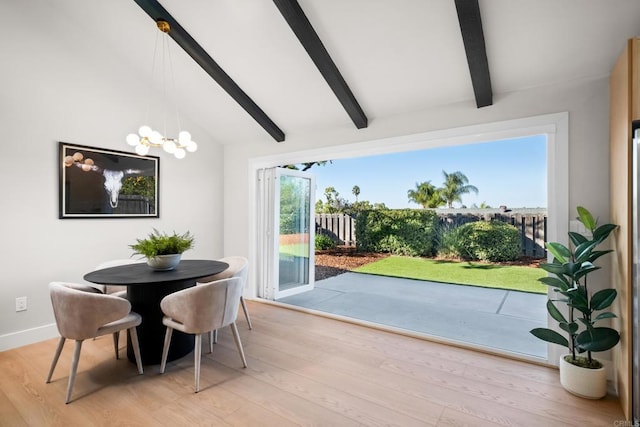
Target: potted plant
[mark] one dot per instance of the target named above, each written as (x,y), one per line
(580,373)
(163,251)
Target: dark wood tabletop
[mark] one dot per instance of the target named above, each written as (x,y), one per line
(142,274)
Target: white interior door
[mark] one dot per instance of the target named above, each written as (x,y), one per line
(286,230)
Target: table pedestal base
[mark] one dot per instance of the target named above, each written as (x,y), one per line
(145,300)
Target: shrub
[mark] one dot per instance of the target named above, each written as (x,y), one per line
(400,231)
(324,242)
(488,241)
(449,242)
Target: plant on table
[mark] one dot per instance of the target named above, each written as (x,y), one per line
(163,244)
(570,268)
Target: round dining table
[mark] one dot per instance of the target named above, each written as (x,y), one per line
(145,289)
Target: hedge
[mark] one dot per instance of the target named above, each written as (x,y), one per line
(409,232)
(488,241)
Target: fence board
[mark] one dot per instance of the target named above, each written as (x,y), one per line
(339,227)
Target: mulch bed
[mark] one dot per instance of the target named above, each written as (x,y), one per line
(343,259)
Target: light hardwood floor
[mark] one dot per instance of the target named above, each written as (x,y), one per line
(303,370)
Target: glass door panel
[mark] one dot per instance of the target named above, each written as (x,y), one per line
(296,231)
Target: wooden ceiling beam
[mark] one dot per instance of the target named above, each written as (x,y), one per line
(155,10)
(473,38)
(302,28)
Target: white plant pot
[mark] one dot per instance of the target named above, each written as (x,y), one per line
(164,262)
(583,382)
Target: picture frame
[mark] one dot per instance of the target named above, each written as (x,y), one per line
(101,183)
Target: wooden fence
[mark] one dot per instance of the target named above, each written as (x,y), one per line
(532,227)
(131,204)
(340,227)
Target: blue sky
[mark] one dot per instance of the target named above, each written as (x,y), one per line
(507,172)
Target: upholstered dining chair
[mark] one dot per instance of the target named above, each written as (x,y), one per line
(198,310)
(238,267)
(115,290)
(81,312)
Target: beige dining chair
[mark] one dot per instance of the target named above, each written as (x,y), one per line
(198,310)
(81,312)
(238,267)
(115,290)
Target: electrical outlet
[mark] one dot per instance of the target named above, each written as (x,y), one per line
(21,304)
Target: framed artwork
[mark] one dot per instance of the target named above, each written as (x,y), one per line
(100,183)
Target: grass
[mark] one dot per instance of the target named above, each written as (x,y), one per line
(515,278)
(295,249)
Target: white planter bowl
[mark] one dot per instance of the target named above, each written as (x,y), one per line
(164,262)
(583,382)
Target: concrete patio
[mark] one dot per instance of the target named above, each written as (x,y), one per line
(492,318)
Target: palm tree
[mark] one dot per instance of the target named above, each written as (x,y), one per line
(356,192)
(455,185)
(426,195)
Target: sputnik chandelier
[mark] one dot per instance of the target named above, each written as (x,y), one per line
(147,137)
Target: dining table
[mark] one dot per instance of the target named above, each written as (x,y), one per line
(146,287)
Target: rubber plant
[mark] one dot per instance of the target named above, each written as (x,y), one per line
(570,269)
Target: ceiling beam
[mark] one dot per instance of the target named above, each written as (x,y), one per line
(302,28)
(473,38)
(186,42)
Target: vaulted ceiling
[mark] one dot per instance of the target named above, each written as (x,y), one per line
(292,66)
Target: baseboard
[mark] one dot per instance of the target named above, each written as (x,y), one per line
(28,336)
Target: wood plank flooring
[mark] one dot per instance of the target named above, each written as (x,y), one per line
(303,370)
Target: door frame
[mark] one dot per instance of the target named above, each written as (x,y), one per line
(555,126)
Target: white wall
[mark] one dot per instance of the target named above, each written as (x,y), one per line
(58,86)
(587,103)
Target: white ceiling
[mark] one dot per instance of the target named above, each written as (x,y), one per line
(397,56)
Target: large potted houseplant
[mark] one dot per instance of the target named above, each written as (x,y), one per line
(163,251)
(578,309)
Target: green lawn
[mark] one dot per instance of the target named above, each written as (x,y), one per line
(295,249)
(465,273)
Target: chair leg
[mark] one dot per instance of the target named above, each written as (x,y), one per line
(74,369)
(210,341)
(165,349)
(56,356)
(197,352)
(215,336)
(246,313)
(116,336)
(133,333)
(236,337)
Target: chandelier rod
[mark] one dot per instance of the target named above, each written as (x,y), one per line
(148,138)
